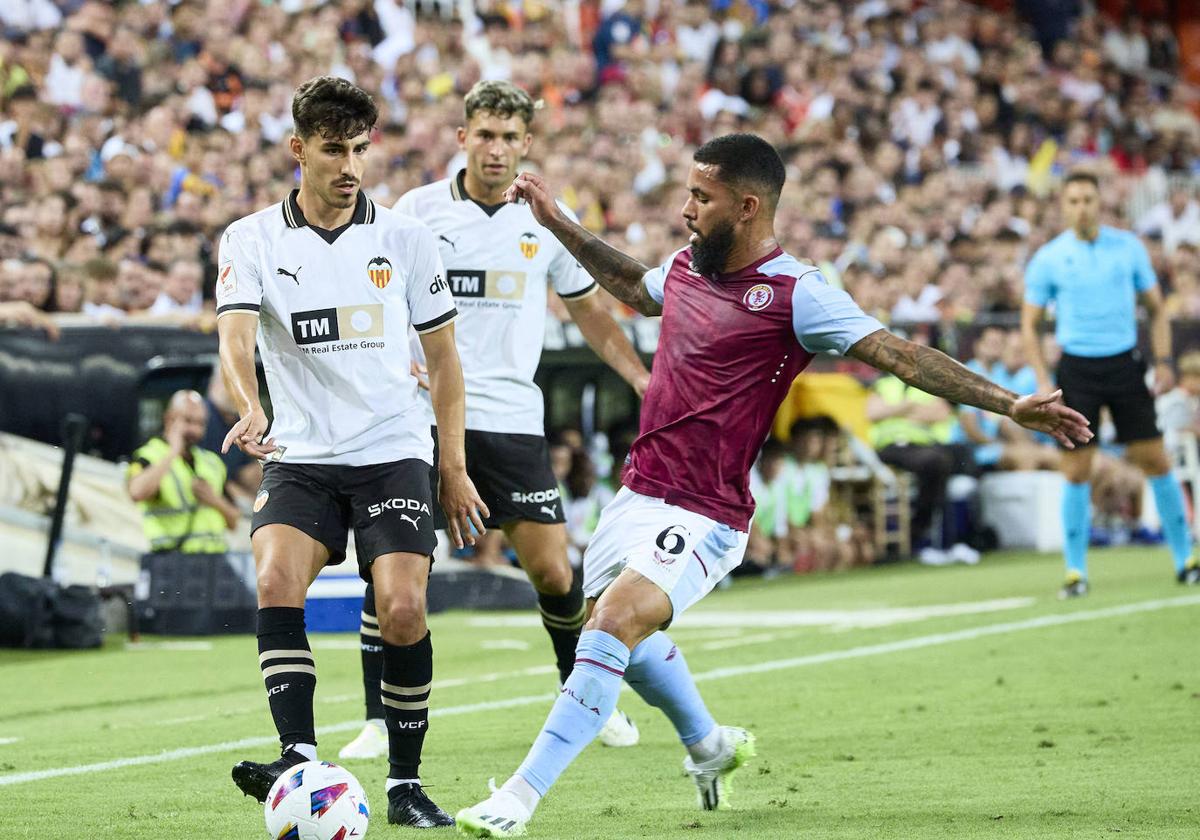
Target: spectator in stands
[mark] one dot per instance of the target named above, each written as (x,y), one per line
(911,431)
(1176,221)
(180,486)
(780,504)
(180,289)
(583,499)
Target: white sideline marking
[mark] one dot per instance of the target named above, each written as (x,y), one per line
(914,643)
(336,644)
(739,641)
(6,741)
(505,644)
(836,619)
(168,646)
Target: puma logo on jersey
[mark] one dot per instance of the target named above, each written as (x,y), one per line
(549,511)
(408,518)
(292,274)
(414,505)
(448,241)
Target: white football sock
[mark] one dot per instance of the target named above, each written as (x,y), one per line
(708,747)
(309,751)
(391,783)
(523,791)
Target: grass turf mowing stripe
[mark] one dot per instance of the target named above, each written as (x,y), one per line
(914,643)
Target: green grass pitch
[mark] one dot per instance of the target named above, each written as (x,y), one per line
(899,702)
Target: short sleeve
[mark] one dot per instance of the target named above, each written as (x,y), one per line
(239,282)
(568,277)
(825,319)
(407,204)
(1039,280)
(1144,278)
(430,304)
(655,280)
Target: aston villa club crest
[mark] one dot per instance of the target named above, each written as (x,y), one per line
(529,245)
(758,297)
(380,270)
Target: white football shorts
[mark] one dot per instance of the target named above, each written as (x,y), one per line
(684,553)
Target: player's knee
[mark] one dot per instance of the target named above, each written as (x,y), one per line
(621,621)
(402,618)
(278,585)
(551,577)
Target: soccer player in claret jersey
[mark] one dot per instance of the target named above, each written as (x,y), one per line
(328,284)
(740,319)
(499,263)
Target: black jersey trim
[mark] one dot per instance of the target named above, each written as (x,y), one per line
(440,321)
(293,216)
(238,307)
(458,191)
(582,293)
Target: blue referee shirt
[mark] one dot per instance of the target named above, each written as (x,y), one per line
(1094,286)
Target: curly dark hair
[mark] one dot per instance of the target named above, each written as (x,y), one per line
(332,107)
(746,161)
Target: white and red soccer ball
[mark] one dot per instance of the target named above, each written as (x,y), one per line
(317,800)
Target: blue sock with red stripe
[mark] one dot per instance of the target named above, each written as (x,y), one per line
(659,674)
(583,706)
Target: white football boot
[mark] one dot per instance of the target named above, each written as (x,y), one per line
(619,731)
(372,742)
(500,815)
(714,778)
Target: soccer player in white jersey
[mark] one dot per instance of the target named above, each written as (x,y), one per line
(499,263)
(741,319)
(328,284)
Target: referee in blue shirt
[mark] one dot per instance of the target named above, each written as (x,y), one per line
(1096,276)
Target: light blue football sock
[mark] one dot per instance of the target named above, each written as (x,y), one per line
(1077,526)
(583,706)
(659,674)
(1169,500)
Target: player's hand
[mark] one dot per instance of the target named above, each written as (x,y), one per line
(462,506)
(247,435)
(1045,413)
(532,190)
(421,374)
(1164,379)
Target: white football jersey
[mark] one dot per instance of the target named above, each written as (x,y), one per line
(334,313)
(499,261)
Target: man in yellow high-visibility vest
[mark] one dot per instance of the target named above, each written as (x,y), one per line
(179,486)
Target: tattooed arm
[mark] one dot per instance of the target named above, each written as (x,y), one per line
(936,373)
(619,273)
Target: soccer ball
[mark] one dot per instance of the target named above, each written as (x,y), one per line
(316,800)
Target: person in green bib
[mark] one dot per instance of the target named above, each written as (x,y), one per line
(180,487)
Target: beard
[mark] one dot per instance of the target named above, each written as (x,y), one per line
(710,254)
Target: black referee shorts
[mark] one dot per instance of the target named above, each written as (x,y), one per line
(389,506)
(1118,382)
(513,476)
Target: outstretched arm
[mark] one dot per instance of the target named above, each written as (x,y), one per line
(617,272)
(936,373)
(605,337)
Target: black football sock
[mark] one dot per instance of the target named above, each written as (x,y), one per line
(407,680)
(289,673)
(562,616)
(371,647)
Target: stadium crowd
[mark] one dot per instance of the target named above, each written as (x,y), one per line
(923,142)
(922,139)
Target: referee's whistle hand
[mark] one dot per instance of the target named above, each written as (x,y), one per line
(1046,413)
